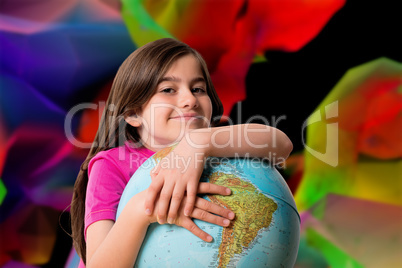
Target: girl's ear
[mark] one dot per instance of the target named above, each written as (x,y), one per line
(133,120)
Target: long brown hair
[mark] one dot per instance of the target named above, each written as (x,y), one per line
(134,84)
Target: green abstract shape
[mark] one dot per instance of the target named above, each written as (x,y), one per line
(141,26)
(336,257)
(3,191)
(145,27)
(344,172)
(309,256)
(259,58)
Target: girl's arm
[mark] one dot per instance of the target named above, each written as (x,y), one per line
(247,140)
(180,171)
(116,244)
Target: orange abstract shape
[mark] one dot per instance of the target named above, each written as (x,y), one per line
(289,25)
(371,106)
(90,118)
(294,168)
(229,36)
(29,235)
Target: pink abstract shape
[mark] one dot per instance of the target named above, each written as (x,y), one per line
(3,143)
(37,10)
(369,232)
(31,16)
(27,16)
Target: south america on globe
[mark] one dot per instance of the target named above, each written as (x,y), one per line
(265,232)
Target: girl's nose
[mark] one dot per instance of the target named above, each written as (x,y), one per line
(188,100)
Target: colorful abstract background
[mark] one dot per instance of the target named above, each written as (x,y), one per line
(326,72)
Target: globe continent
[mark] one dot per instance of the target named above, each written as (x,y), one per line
(265,231)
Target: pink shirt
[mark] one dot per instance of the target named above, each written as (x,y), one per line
(108,174)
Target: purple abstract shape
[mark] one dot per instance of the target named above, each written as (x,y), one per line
(38,163)
(66,58)
(21,103)
(17,264)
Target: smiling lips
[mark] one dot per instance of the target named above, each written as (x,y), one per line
(187,116)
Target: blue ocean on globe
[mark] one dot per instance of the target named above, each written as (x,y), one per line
(265,232)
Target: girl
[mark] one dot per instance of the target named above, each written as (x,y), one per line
(161,95)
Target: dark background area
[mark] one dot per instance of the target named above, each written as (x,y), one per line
(359,32)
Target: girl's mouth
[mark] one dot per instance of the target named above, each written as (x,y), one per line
(187,116)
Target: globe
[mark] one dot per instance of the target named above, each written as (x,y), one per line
(265,232)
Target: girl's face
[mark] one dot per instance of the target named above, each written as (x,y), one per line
(180,103)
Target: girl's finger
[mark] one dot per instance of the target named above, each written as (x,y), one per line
(191,196)
(208,206)
(175,202)
(194,229)
(155,171)
(164,201)
(204,215)
(152,193)
(210,188)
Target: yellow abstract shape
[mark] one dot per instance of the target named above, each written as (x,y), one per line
(354,144)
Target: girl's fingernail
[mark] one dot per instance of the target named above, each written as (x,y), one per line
(170,220)
(226,222)
(187,212)
(209,238)
(231,215)
(148,211)
(228,191)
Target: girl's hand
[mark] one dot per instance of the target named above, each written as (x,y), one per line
(176,175)
(203,210)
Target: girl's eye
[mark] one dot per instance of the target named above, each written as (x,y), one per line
(167,90)
(198,90)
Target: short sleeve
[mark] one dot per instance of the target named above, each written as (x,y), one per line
(105,187)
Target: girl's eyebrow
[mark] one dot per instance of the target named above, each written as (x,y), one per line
(177,79)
